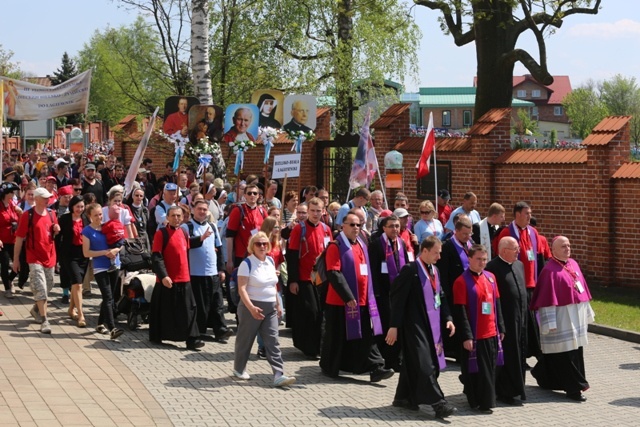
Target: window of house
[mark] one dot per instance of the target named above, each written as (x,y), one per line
(446,118)
(521,93)
(534,112)
(535,93)
(466,118)
(426,185)
(557,111)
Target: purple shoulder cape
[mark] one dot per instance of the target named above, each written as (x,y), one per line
(556,286)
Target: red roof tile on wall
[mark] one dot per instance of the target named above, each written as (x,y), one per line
(628,171)
(388,117)
(488,121)
(606,130)
(542,157)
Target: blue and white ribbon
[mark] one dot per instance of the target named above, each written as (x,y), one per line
(268,144)
(239,162)
(203,163)
(297,144)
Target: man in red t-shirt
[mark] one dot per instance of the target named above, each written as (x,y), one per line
(349,345)
(478,320)
(245,220)
(37,227)
(172,315)
(304,300)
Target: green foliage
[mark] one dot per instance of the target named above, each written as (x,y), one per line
(66,71)
(585,110)
(8,68)
(618,307)
(525,125)
(129,72)
(553,138)
(621,95)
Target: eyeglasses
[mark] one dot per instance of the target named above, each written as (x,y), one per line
(425,212)
(251,193)
(261,244)
(353,224)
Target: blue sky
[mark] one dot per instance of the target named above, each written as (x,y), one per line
(587,46)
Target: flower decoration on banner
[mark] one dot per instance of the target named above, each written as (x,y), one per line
(204,160)
(268,136)
(299,137)
(179,142)
(239,148)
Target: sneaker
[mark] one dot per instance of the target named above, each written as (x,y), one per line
(65,299)
(242,376)
(101,329)
(262,353)
(284,381)
(8,294)
(45,328)
(115,333)
(36,315)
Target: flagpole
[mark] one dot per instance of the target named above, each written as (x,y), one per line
(384,192)
(435,178)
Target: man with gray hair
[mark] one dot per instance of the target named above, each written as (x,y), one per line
(373,212)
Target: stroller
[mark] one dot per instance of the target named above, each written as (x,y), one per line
(136,299)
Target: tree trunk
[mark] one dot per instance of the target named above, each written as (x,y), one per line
(494,40)
(344,64)
(200,51)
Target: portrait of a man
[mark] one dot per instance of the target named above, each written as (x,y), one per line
(241,123)
(176,110)
(301,114)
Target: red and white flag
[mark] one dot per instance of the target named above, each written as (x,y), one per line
(428,147)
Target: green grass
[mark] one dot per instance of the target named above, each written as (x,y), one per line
(617,307)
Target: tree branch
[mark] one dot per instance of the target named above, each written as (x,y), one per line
(539,73)
(287,52)
(460,38)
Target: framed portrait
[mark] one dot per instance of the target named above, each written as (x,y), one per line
(206,121)
(241,122)
(176,118)
(299,113)
(270,107)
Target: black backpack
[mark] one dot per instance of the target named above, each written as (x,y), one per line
(152,224)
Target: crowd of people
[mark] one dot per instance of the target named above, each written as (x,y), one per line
(364,288)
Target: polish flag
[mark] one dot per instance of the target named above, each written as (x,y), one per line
(428,147)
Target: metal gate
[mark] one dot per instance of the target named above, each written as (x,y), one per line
(333,165)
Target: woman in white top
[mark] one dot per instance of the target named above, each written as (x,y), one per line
(428,225)
(115,197)
(259,310)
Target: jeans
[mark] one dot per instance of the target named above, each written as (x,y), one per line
(107,282)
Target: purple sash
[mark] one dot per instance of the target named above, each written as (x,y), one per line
(352,314)
(390,259)
(472,298)
(433,312)
(461,253)
(515,233)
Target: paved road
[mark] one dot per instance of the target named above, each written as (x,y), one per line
(77,377)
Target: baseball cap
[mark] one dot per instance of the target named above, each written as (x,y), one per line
(170,186)
(444,194)
(401,213)
(42,192)
(90,166)
(67,190)
(60,161)
(385,213)
(51,178)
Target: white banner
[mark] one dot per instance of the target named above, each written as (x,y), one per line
(288,164)
(28,101)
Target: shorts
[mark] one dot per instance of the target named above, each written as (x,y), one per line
(41,279)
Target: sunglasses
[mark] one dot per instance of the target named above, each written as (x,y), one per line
(77,189)
(261,244)
(251,193)
(353,224)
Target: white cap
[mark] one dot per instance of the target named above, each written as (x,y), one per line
(401,212)
(59,161)
(42,192)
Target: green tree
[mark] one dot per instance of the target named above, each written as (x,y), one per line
(585,110)
(129,73)
(525,125)
(495,26)
(621,95)
(66,71)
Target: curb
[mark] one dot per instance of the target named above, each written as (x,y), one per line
(621,334)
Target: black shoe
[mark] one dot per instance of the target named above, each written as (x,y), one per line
(224,335)
(194,344)
(509,400)
(312,356)
(115,333)
(404,403)
(485,411)
(444,409)
(112,268)
(578,397)
(64,299)
(380,374)
(262,354)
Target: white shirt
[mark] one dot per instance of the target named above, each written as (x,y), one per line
(262,278)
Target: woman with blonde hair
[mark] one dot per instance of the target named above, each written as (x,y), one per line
(258,310)
(429,224)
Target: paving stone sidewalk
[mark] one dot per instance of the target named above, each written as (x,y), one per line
(77,377)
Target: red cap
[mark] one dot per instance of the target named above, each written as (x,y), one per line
(51,178)
(385,213)
(67,190)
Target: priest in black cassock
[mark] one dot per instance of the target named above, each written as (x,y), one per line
(418,306)
(509,273)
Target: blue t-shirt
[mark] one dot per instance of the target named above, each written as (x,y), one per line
(203,260)
(474,216)
(98,242)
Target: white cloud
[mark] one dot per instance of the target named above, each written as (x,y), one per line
(607,30)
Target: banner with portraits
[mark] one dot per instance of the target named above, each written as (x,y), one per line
(270,103)
(241,123)
(299,113)
(176,117)
(206,121)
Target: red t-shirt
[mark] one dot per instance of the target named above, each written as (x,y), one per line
(175,254)
(276,254)
(77,232)
(253,218)
(525,245)
(113,230)
(405,235)
(485,323)
(38,237)
(310,248)
(334,264)
(444,213)
(7,216)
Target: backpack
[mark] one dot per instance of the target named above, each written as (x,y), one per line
(260,209)
(165,237)
(233,280)
(30,212)
(191,227)
(152,224)
(303,235)
(319,272)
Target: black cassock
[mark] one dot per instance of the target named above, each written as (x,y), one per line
(419,370)
(450,268)
(513,301)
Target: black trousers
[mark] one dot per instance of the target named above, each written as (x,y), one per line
(107,283)
(209,303)
(23,275)
(480,387)
(6,272)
